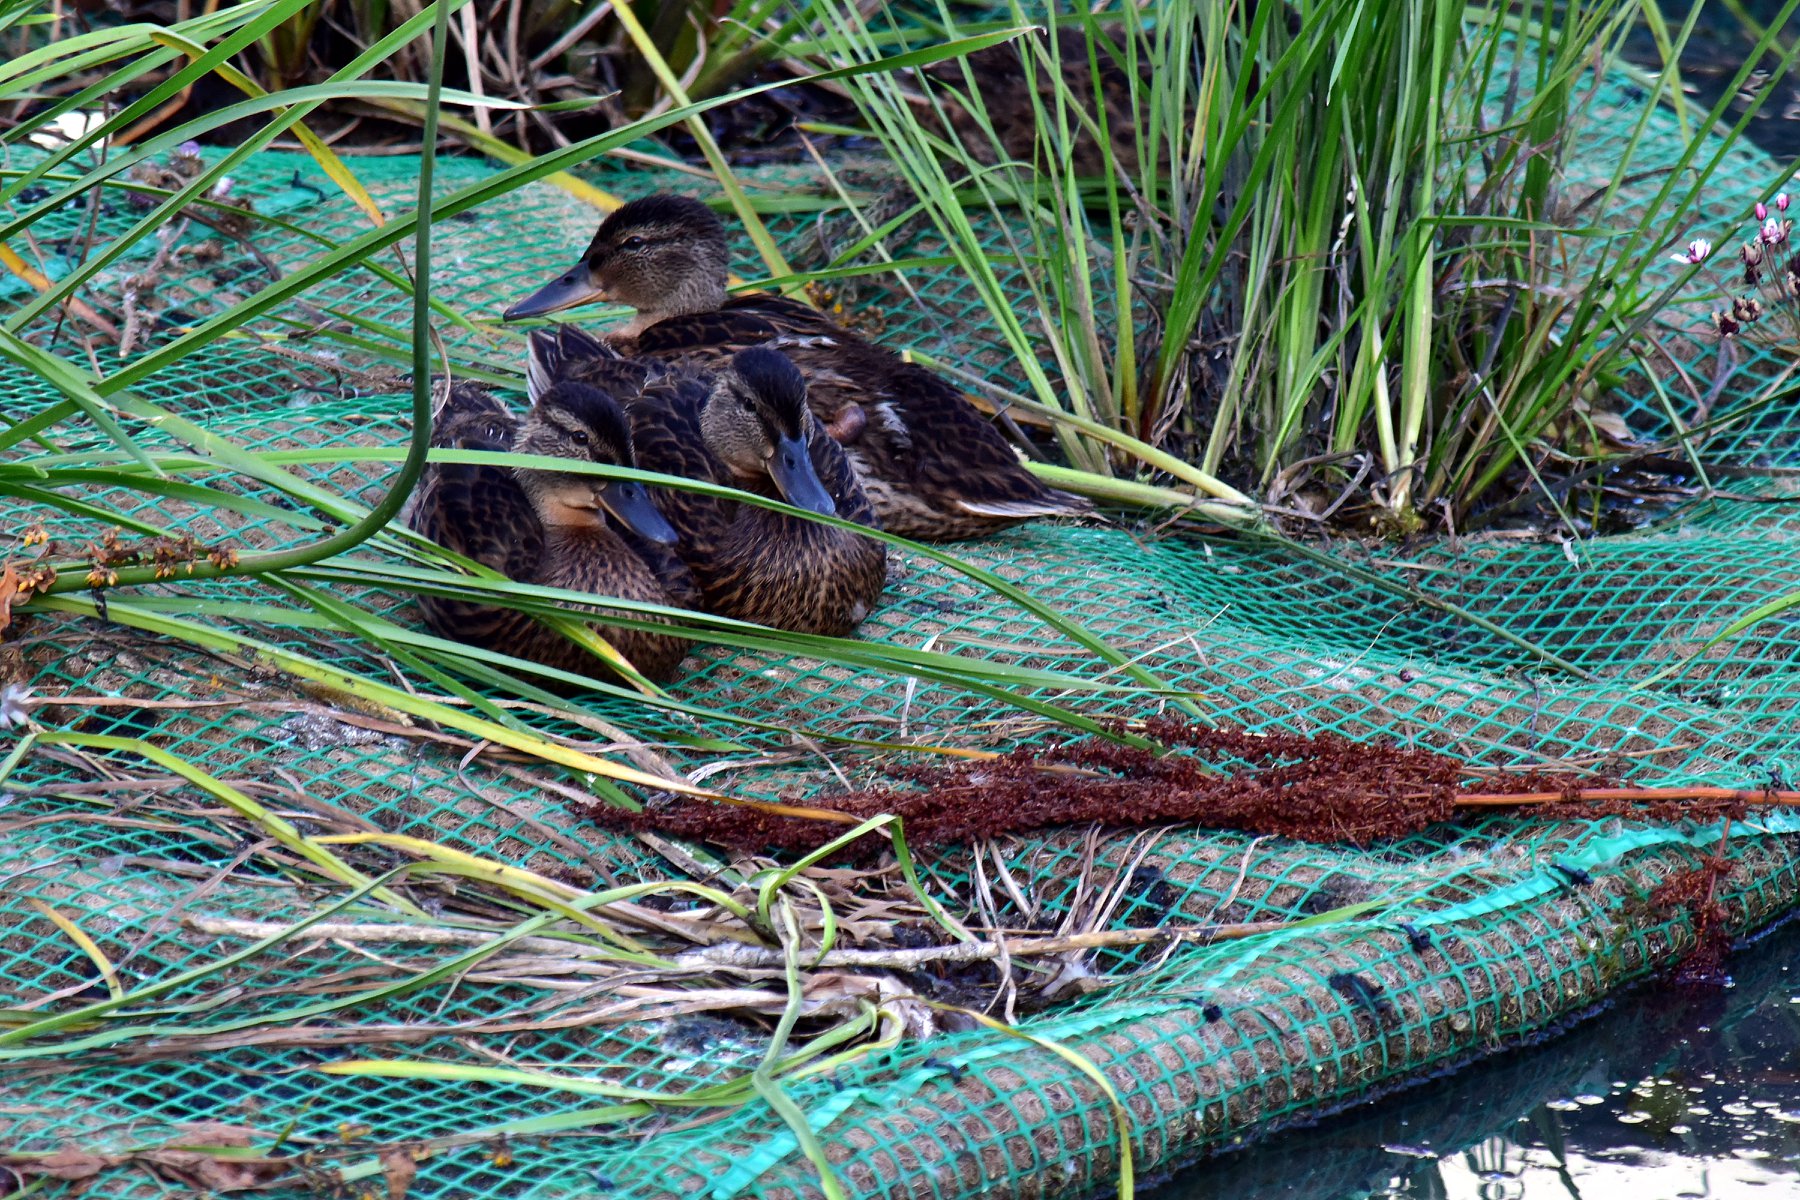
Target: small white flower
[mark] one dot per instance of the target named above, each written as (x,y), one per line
(1696,252)
(70,127)
(1774,231)
(15,705)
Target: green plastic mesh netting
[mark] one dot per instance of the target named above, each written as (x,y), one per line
(1492,931)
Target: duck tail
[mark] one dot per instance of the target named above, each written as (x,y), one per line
(552,350)
(1070,503)
(1050,503)
(465,415)
(465,397)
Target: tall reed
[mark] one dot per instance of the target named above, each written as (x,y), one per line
(1321,254)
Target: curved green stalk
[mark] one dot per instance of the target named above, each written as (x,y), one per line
(74,385)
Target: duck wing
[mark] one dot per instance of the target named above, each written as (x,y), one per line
(934,468)
(923,435)
(813,341)
(754,319)
(957,453)
(707,338)
(565,353)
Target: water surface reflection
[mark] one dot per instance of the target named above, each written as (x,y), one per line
(1675,1094)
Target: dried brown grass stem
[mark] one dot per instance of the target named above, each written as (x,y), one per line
(739,956)
(1745,796)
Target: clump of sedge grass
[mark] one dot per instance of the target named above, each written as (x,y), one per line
(1331,262)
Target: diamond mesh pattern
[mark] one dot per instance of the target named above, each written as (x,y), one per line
(1491,942)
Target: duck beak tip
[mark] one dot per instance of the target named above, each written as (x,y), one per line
(573,288)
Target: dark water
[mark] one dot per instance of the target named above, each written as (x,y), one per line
(1674,1094)
(1714,54)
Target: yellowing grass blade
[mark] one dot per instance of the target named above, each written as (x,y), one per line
(301,667)
(512,156)
(87,944)
(41,283)
(715,158)
(324,155)
(528,884)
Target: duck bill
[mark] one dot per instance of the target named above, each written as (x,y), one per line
(791,468)
(631,506)
(570,290)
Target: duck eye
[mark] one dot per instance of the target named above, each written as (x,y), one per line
(580,437)
(492,429)
(634,242)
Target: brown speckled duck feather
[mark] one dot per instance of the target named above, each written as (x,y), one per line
(934,468)
(483,513)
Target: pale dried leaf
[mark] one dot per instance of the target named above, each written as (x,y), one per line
(398,1167)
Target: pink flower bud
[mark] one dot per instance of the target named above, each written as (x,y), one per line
(1781,202)
(1762,211)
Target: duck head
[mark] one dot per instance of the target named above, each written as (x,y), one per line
(663,255)
(575,421)
(756,421)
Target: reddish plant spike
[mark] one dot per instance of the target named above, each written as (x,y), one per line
(1322,788)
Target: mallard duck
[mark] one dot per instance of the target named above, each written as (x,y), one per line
(745,425)
(545,527)
(933,468)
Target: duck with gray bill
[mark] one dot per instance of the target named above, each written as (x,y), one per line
(563,529)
